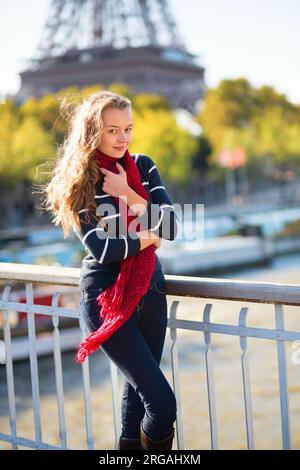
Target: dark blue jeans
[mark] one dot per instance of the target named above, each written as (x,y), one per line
(136,348)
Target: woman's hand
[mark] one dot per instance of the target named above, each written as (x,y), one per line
(115,184)
(148,238)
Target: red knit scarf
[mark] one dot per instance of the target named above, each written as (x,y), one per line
(118,302)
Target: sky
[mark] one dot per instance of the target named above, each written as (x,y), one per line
(255,39)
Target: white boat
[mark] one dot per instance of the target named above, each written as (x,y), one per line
(185,258)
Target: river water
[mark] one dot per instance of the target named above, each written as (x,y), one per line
(193,388)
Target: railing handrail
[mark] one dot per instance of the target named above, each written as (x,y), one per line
(57,275)
(184,286)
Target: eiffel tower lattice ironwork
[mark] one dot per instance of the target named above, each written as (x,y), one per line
(118,23)
(135,42)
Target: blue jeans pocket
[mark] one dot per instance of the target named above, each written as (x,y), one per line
(91,294)
(157,287)
(160,287)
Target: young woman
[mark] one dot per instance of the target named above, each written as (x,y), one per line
(118,206)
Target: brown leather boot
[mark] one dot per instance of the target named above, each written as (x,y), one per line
(150,444)
(126,443)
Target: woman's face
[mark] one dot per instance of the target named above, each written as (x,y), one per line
(117,132)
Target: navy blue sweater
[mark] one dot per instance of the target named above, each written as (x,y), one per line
(107,242)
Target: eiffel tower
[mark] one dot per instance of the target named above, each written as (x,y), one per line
(135,42)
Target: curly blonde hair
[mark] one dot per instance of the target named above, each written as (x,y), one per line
(72,186)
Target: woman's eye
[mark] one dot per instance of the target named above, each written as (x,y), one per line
(114,130)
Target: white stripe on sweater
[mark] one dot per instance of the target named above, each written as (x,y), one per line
(89,232)
(110,216)
(157,187)
(104,195)
(126,247)
(159,222)
(152,168)
(104,250)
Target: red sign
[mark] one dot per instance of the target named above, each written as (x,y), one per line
(232,158)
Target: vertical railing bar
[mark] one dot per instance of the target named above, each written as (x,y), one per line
(246,381)
(210,379)
(33,364)
(9,371)
(175,375)
(115,400)
(87,394)
(58,372)
(284,399)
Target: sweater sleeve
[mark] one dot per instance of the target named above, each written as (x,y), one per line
(104,247)
(160,216)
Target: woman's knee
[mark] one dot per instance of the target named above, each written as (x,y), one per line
(165,408)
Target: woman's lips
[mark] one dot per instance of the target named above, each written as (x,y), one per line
(121,148)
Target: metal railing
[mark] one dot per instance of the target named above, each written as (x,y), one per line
(179,286)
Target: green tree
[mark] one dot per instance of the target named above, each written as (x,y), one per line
(200,160)
(260,120)
(121,89)
(46,111)
(157,134)
(146,101)
(229,105)
(9,121)
(31,146)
